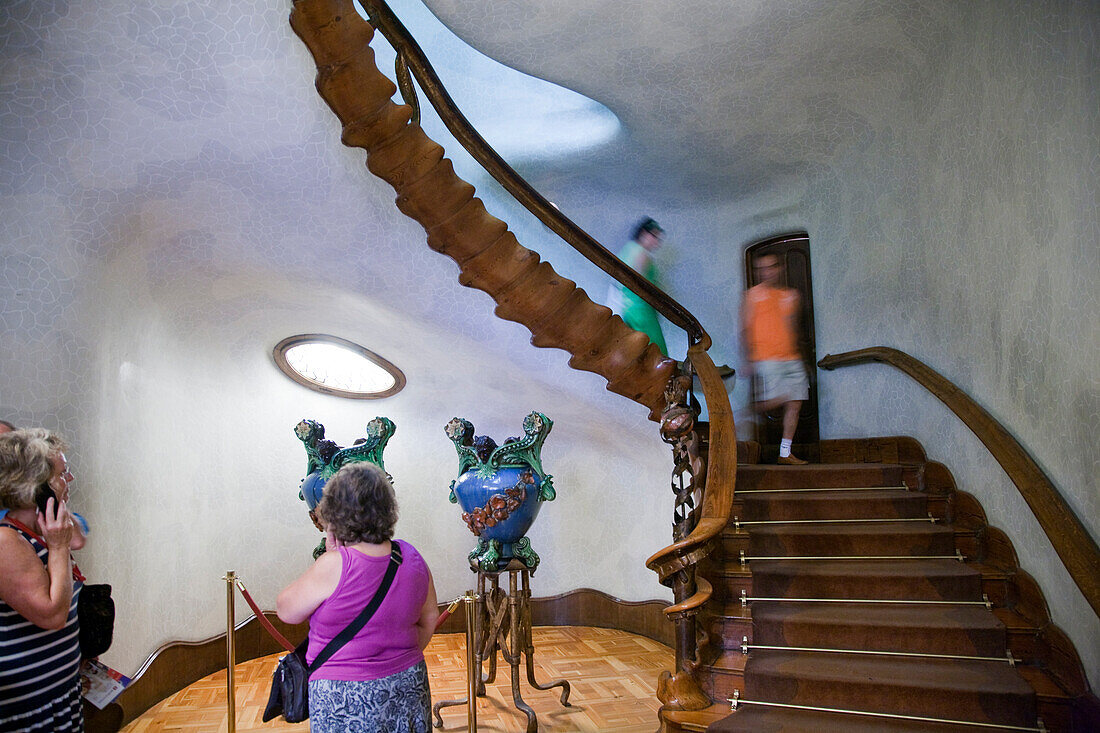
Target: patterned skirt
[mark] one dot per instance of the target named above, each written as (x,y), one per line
(64,714)
(400,703)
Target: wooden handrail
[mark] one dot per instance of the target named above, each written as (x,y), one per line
(1072,541)
(722,463)
(411,55)
(526,290)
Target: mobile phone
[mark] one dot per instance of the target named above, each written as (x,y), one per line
(42,494)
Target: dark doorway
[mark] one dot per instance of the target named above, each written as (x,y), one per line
(793,251)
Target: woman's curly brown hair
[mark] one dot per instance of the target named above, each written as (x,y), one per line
(359,505)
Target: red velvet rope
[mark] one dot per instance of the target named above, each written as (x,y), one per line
(263,619)
(283,640)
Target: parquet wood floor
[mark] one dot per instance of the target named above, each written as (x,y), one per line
(613,675)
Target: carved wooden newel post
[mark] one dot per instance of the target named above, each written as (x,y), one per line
(678,690)
(688,475)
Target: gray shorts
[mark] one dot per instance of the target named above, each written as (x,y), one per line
(777,379)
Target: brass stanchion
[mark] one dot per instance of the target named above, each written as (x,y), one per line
(230,650)
(473,672)
(473,669)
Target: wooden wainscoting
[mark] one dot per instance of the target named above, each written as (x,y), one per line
(176,665)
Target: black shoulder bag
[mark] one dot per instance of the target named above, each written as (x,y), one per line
(290,684)
(96,612)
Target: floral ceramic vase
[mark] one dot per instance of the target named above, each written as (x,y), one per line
(500,490)
(324,458)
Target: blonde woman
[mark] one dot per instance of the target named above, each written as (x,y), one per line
(39,587)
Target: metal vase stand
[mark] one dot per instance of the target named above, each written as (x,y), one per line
(502,621)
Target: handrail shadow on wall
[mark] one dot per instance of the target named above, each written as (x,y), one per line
(1071,540)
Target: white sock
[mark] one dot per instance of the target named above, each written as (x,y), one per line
(784,448)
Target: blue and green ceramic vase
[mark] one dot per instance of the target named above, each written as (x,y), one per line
(500,490)
(324,458)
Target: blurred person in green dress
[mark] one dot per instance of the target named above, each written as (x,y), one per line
(638,253)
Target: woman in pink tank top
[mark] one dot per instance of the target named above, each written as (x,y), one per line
(378,681)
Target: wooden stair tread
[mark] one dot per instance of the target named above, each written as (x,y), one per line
(761,719)
(856,527)
(931,674)
(828,494)
(868,614)
(926,629)
(697,720)
(908,568)
(858,539)
(978,691)
(818,475)
(886,503)
(1042,682)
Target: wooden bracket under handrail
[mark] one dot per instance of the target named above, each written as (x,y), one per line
(1077,549)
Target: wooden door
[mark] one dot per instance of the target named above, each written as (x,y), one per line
(793,251)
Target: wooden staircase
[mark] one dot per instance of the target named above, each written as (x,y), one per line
(824,604)
(527,290)
(869,583)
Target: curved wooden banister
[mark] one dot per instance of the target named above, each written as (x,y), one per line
(526,290)
(412,56)
(1073,543)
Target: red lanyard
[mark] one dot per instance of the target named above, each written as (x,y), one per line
(77,575)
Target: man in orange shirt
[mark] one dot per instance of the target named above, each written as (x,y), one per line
(769,335)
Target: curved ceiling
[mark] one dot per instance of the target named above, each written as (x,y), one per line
(719,98)
(526,119)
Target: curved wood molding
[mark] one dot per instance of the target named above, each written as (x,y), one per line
(528,291)
(178,664)
(1077,549)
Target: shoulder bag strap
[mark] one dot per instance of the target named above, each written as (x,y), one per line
(361,620)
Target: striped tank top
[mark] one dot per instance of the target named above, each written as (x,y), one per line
(39,683)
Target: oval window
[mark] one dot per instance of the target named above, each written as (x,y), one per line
(336,366)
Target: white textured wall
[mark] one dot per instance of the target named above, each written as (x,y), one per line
(174,200)
(200,475)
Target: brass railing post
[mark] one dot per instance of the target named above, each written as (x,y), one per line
(230,650)
(473,672)
(473,669)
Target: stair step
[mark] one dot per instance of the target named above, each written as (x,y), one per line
(817,475)
(758,719)
(724,674)
(962,630)
(930,580)
(981,691)
(1024,636)
(862,538)
(695,721)
(882,503)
